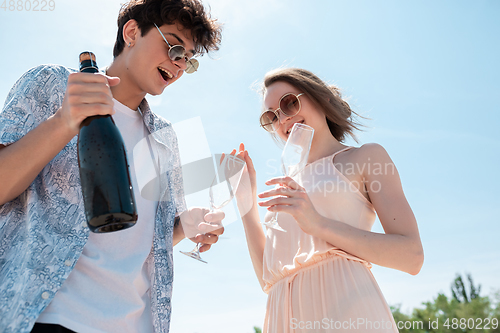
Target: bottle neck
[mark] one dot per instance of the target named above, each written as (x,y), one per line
(88,66)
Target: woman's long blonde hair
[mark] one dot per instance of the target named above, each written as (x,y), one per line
(327,98)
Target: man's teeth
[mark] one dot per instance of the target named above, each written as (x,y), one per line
(166,72)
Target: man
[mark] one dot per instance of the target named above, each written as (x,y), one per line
(120,281)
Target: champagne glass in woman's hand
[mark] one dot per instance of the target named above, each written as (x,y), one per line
(293,159)
(222,192)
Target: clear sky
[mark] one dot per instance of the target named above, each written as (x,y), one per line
(425,72)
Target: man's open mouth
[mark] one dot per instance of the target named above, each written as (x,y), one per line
(165,73)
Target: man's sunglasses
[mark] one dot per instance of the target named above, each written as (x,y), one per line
(178,52)
(289,105)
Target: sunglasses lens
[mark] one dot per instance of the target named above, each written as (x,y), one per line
(192,66)
(290,105)
(268,120)
(177,52)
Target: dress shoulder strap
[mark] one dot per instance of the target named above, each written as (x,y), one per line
(340,151)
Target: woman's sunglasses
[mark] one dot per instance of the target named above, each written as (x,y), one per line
(289,105)
(178,52)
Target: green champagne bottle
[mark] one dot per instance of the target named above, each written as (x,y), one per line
(104,173)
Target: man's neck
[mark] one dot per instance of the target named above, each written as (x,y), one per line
(126,92)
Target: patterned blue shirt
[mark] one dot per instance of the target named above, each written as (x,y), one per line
(43,230)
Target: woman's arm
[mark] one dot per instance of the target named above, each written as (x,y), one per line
(247,205)
(256,240)
(399,247)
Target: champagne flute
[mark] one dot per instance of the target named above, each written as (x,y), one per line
(293,159)
(221,193)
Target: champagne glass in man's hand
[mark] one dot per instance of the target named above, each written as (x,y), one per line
(222,192)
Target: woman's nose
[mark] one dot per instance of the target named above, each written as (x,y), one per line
(283,117)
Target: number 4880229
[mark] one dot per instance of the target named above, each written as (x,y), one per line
(28,5)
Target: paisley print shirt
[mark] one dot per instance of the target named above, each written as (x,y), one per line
(43,230)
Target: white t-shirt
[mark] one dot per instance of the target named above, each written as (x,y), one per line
(108,290)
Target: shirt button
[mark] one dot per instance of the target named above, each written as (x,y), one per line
(45,295)
(68,262)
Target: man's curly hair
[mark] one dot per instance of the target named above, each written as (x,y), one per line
(190,14)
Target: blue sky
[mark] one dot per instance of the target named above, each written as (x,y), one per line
(425,72)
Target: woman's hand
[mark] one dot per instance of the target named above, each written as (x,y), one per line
(247,189)
(292,199)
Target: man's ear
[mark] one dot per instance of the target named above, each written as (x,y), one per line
(131,32)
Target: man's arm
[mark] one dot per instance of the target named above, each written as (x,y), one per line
(178,231)
(20,163)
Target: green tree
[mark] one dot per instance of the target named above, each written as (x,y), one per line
(402,318)
(496,311)
(459,291)
(466,311)
(257,330)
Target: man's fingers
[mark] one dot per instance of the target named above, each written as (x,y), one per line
(89,78)
(79,88)
(215,217)
(91,98)
(113,81)
(219,231)
(207,239)
(205,248)
(206,228)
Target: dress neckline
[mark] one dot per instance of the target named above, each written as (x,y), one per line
(332,156)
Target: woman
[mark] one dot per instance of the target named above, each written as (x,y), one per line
(317,272)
